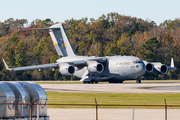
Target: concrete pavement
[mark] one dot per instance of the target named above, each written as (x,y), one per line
(115,88)
(113,114)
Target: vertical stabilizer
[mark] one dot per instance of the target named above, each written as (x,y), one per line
(61,41)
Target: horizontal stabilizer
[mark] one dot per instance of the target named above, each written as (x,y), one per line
(50,28)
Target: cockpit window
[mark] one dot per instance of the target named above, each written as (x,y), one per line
(136,62)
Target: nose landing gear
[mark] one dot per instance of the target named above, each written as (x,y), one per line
(138,79)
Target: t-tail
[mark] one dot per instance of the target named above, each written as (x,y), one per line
(61,41)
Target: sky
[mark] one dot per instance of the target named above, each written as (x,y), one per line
(61,10)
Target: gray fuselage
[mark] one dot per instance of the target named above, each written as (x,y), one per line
(116,68)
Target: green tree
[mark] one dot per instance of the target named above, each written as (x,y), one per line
(111,50)
(105,23)
(21,56)
(38,50)
(165,23)
(9,51)
(124,45)
(152,47)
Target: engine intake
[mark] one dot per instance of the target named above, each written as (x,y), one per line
(67,69)
(160,69)
(95,67)
(149,66)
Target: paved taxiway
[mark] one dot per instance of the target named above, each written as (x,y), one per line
(115,88)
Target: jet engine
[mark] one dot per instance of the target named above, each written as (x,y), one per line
(95,67)
(149,66)
(67,69)
(160,69)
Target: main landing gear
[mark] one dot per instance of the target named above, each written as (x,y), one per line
(90,82)
(138,81)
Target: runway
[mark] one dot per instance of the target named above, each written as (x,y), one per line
(115,88)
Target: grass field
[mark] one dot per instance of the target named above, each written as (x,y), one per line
(110,98)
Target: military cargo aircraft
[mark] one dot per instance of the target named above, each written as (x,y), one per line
(114,69)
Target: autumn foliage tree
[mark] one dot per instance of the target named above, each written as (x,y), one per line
(111,34)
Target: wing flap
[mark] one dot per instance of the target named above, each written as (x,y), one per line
(169,67)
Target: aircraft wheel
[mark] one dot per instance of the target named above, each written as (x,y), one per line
(92,82)
(96,82)
(138,81)
(121,82)
(84,82)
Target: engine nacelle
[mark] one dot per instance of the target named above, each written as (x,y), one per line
(67,69)
(149,66)
(95,67)
(160,69)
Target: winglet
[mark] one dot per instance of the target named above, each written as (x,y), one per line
(7,68)
(172,62)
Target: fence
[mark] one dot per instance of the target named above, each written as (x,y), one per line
(149,112)
(116,114)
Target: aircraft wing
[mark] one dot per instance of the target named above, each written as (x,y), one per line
(173,68)
(52,65)
(69,60)
(169,67)
(80,60)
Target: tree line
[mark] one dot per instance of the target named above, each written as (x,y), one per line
(111,34)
